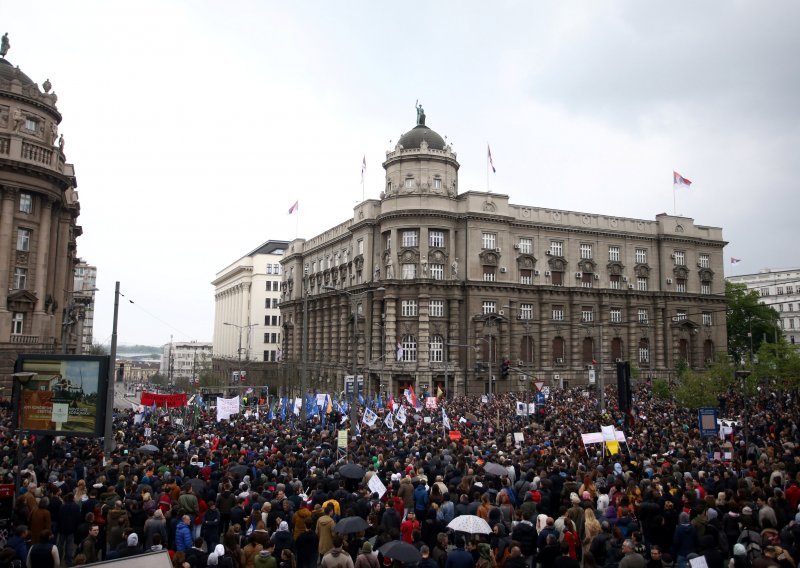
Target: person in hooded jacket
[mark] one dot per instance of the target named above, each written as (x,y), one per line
(336,557)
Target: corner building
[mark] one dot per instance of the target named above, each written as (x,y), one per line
(431,287)
(38,222)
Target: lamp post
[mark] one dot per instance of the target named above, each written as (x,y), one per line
(22,379)
(601,396)
(239,350)
(354,296)
(742,375)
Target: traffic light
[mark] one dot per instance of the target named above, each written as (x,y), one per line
(504,369)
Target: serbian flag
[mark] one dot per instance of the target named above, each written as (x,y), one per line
(411,397)
(679,180)
(294,207)
(735,260)
(390,404)
(491,162)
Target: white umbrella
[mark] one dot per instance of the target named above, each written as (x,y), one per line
(471,524)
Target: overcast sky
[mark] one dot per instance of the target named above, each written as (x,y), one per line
(194,126)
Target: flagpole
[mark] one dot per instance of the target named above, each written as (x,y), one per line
(297,223)
(488,189)
(674,201)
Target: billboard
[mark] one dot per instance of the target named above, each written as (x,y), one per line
(66,396)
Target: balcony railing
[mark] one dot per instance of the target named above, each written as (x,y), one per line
(26,339)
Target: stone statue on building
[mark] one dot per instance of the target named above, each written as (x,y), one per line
(61,142)
(424,263)
(389,269)
(455,268)
(4,45)
(19,120)
(53,132)
(420,114)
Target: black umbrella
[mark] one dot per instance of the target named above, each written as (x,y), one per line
(350,525)
(352,471)
(400,551)
(198,485)
(238,469)
(148,449)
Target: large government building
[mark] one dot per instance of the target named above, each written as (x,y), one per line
(471,293)
(38,221)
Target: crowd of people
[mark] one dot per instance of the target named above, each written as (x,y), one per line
(254,493)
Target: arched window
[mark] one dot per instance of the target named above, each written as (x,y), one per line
(558,350)
(526,349)
(409,345)
(616,349)
(588,350)
(436,349)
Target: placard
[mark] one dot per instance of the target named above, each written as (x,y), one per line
(341,438)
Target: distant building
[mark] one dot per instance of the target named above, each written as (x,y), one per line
(137,372)
(184,360)
(780,289)
(82,308)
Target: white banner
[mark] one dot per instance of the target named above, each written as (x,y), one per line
(401,415)
(227,407)
(388,421)
(376,486)
(369,417)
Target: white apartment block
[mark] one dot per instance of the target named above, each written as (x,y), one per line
(247,319)
(779,288)
(84,288)
(184,360)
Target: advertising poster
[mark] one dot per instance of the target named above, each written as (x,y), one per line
(66,396)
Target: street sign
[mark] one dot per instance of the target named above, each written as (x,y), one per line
(539,398)
(539,385)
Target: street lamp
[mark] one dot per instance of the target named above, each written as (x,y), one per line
(354,359)
(22,379)
(239,351)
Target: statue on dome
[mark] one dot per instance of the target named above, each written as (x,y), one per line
(420,114)
(4,45)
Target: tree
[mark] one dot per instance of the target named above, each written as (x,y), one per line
(749,321)
(97,349)
(159,379)
(778,363)
(698,390)
(661,389)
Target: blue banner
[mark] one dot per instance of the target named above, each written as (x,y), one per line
(708,421)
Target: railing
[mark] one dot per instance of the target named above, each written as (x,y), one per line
(26,339)
(36,153)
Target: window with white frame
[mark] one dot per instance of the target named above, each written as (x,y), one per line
(679,257)
(437,183)
(644,351)
(791,307)
(489,240)
(680,315)
(20,278)
(31,124)
(489,273)
(707,319)
(410,238)
(558,313)
(23,240)
(613,253)
(587,314)
(780,307)
(436,239)
(764,292)
(525,311)
(437,271)
(703,260)
(586,251)
(641,256)
(791,323)
(409,183)
(526,245)
(25,202)
(557,248)
(409,271)
(526,276)
(616,315)
(436,308)
(643,317)
(360,246)
(614,281)
(779,292)
(680,284)
(17,323)
(705,287)
(409,344)
(408,308)
(489,307)
(790,289)
(437,349)
(641,283)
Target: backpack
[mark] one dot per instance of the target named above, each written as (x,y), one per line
(751,544)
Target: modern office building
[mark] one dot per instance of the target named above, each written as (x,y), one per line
(82,307)
(38,220)
(433,287)
(779,288)
(184,359)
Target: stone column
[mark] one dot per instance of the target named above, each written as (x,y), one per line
(6,225)
(43,247)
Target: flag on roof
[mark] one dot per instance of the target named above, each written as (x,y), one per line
(735,260)
(491,162)
(679,180)
(294,207)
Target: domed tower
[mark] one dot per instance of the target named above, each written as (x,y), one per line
(38,213)
(421,163)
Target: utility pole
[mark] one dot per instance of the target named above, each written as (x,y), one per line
(108,432)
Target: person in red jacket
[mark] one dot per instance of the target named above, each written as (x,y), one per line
(408,527)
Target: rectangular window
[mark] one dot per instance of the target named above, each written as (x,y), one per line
(780,288)
(25,202)
(587,314)
(614,281)
(489,273)
(613,254)
(410,238)
(616,315)
(489,307)
(436,239)
(586,251)
(409,183)
(790,289)
(780,307)
(791,307)
(526,276)
(360,246)
(557,248)
(436,308)
(641,256)
(437,349)
(703,260)
(437,271)
(526,311)
(274,303)
(20,278)
(764,292)
(489,241)
(526,246)
(643,318)
(680,284)
(408,308)
(31,124)
(558,313)
(587,280)
(266,303)
(707,318)
(680,258)
(266,338)
(17,323)
(641,283)
(437,183)
(409,271)
(557,278)
(644,354)
(705,287)
(791,323)
(23,240)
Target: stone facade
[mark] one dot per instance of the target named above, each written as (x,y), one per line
(38,213)
(470,278)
